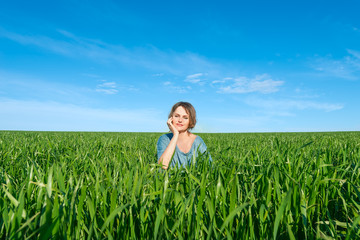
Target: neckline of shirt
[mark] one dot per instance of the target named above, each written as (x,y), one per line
(190,148)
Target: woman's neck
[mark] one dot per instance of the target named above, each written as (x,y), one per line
(184,134)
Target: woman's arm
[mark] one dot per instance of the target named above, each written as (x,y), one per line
(166,156)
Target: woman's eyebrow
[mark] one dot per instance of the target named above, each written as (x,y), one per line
(178,114)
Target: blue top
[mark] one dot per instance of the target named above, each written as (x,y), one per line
(180,158)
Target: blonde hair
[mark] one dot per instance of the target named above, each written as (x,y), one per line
(189,110)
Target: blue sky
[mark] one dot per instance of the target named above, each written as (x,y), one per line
(246,66)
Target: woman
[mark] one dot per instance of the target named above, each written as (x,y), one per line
(178,147)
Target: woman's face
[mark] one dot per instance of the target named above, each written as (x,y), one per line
(181,119)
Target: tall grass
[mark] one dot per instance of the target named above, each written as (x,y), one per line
(108,186)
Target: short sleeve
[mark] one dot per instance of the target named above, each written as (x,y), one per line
(202,148)
(162,144)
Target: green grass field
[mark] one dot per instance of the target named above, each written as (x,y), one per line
(68,185)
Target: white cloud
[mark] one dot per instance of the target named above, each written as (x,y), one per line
(164,62)
(221,81)
(149,57)
(107,87)
(217,81)
(107,91)
(290,104)
(196,75)
(57,46)
(355,61)
(354,53)
(195,78)
(261,83)
(347,67)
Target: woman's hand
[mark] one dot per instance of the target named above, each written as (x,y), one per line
(171,126)
(166,156)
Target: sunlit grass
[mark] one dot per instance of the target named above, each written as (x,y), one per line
(108,186)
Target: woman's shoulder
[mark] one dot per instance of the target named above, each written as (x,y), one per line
(198,139)
(199,144)
(165,137)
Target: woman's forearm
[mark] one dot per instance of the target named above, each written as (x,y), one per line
(165,158)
